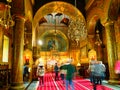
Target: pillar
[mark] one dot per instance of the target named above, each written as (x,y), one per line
(2,8)
(34,54)
(111,50)
(17,58)
(1,43)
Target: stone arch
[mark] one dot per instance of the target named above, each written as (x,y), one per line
(55,6)
(92,23)
(92,27)
(98,11)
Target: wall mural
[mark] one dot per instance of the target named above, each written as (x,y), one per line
(51,45)
(52,42)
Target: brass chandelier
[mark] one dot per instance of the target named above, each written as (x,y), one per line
(77,30)
(6,19)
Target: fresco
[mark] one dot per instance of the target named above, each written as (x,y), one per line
(52,42)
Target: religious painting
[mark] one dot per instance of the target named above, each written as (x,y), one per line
(51,44)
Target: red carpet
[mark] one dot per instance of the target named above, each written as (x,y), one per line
(79,83)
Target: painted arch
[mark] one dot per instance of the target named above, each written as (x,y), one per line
(52,7)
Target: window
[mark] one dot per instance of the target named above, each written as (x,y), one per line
(5,49)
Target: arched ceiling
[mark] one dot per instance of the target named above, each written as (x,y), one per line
(92,23)
(55,7)
(80,4)
(60,39)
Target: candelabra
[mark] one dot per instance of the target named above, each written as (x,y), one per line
(98,40)
(77,29)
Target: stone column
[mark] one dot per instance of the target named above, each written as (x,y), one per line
(111,50)
(1,43)
(34,43)
(17,59)
(34,54)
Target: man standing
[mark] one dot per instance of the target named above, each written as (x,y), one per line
(69,74)
(56,70)
(99,72)
(91,71)
(25,73)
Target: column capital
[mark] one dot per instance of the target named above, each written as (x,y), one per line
(19,17)
(108,22)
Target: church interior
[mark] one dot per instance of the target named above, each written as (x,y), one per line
(51,31)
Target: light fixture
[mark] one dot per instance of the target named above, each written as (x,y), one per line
(77,29)
(98,40)
(40,42)
(6,19)
(78,64)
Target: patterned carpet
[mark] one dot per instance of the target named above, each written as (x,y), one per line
(51,84)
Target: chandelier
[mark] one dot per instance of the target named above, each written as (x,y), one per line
(77,30)
(98,40)
(6,19)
